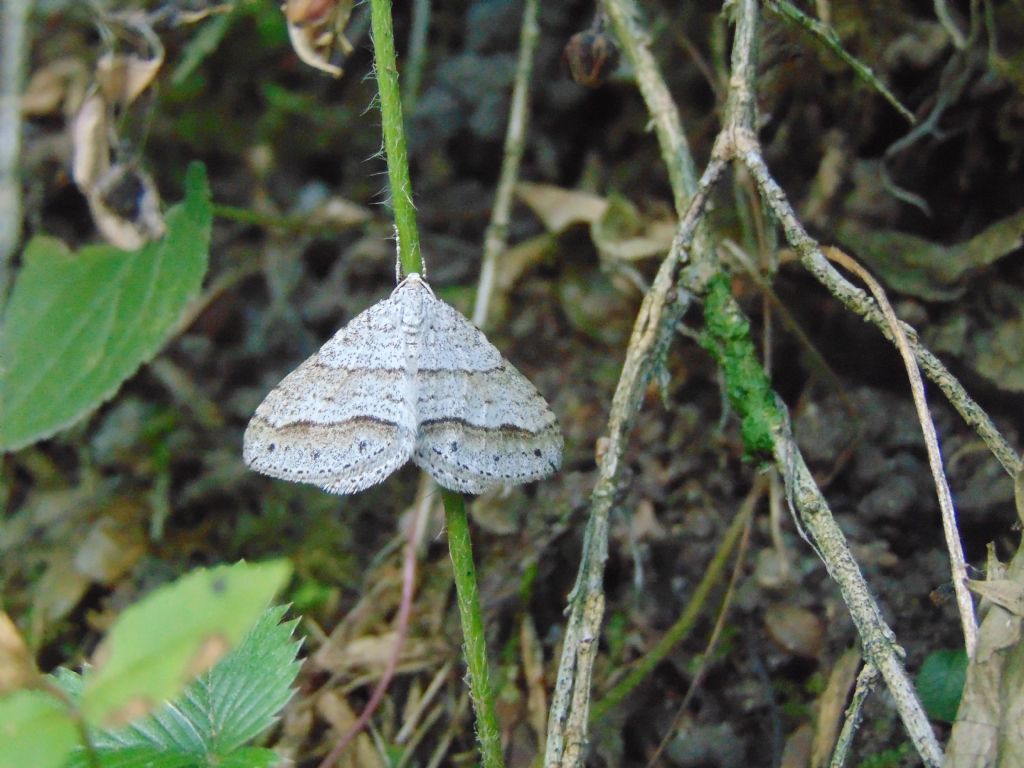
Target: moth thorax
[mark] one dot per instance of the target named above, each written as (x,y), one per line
(412,311)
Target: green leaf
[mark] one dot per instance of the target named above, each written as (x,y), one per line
(134,757)
(941,683)
(218,712)
(35,730)
(79,324)
(250,757)
(158,645)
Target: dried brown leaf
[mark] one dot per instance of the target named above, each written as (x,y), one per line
(109,550)
(90,141)
(125,206)
(61,82)
(59,590)
(558,208)
(988,730)
(123,77)
(1005,593)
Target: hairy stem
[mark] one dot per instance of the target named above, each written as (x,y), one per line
(460,547)
(394,136)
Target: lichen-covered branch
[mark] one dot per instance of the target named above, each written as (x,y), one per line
(766,416)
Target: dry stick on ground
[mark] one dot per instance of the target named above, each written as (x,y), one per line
(515,142)
(956,552)
(12,65)
(860,303)
(866,681)
(570,702)
(663,306)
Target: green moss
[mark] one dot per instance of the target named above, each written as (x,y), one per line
(727,338)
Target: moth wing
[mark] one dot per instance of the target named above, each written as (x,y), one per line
(481,422)
(343,419)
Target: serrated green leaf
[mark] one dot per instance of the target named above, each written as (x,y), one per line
(79,324)
(250,757)
(940,683)
(218,712)
(134,757)
(35,730)
(231,704)
(160,644)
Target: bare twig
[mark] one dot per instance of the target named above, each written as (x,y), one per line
(866,681)
(496,237)
(931,440)
(945,18)
(661,310)
(823,31)
(811,512)
(736,140)
(12,65)
(859,302)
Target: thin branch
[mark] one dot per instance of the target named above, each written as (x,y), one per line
(12,64)
(662,308)
(866,681)
(819,528)
(858,301)
(827,35)
(956,553)
(945,18)
(496,237)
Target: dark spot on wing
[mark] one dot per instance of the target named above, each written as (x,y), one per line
(536,452)
(272,447)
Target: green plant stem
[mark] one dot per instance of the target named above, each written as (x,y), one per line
(459,544)
(394,136)
(474,643)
